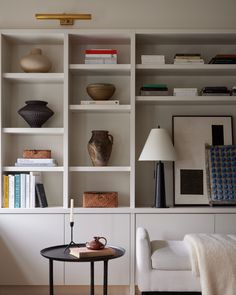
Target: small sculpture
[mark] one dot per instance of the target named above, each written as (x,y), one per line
(95,244)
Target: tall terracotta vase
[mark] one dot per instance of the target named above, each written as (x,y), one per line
(100,147)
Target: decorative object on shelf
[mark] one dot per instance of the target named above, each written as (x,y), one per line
(37,154)
(100,147)
(64,18)
(158,148)
(95,244)
(100,199)
(36,112)
(100,91)
(72,243)
(191,134)
(35,62)
(221,172)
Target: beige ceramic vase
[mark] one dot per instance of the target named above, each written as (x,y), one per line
(35,62)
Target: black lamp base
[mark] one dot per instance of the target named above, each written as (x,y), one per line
(160,194)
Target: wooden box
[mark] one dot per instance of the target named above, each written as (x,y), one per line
(100,199)
(37,154)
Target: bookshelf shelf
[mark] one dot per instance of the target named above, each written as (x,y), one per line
(100,69)
(100,169)
(201,69)
(182,100)
(34,77)
(28,169)
(34,131)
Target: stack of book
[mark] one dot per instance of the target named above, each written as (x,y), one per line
(23,190)
(100,56)
(233,92)
(99,102)
(36,158)
(223,59)
(188,58)
(215,90)
(185,92)
(152,59)
(154,89)
(23,162)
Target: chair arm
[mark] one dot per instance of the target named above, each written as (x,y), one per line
(143,250)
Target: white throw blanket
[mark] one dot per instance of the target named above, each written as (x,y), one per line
(213,257)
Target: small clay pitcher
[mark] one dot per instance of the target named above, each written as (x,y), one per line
(99,147)
(95,244)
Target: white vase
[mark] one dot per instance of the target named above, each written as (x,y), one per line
(35,62)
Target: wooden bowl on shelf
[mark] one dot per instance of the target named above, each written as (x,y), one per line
(100,91)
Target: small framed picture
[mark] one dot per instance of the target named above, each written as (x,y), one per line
(190,136)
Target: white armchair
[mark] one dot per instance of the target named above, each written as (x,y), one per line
(163,266)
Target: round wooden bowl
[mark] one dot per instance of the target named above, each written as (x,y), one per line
(100,91)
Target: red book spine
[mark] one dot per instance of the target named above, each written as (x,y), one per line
(101,51)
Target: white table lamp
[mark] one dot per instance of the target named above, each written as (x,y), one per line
(158,148)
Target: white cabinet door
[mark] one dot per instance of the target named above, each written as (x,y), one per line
(116,229)
(225,223)
(22,236)
(175,226)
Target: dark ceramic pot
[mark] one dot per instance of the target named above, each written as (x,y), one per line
(99,147)
(35,113)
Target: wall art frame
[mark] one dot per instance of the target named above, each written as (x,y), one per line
(190,136)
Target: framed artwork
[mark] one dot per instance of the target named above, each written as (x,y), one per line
(190,136)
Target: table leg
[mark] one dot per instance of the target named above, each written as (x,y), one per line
(51,292)
(92,278)
(105,278)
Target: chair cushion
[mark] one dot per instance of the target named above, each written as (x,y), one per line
(170,255)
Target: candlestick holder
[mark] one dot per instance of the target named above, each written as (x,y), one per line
(72,243)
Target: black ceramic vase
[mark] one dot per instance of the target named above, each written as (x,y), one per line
(99,147)
(35,113)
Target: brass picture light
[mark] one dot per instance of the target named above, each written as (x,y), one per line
(65,18)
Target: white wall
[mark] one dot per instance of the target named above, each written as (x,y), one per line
(199,14)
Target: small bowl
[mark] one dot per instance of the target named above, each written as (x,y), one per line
(100,91)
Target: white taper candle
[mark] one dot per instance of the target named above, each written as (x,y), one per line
(71,210)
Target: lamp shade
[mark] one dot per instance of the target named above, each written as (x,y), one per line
(158,147)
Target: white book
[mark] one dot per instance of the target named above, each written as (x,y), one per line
(185,94)
(100,61)
(152,57)
(35,164)
(185,89)
(102,55)
(32,190)
(23,190)
(27,191)
(36,161)
(99,102)
(11,190)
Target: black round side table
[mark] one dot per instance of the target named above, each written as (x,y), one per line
(61,253)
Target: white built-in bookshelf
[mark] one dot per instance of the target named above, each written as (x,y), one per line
(68,131)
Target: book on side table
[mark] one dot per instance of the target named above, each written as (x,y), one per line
(83,252)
